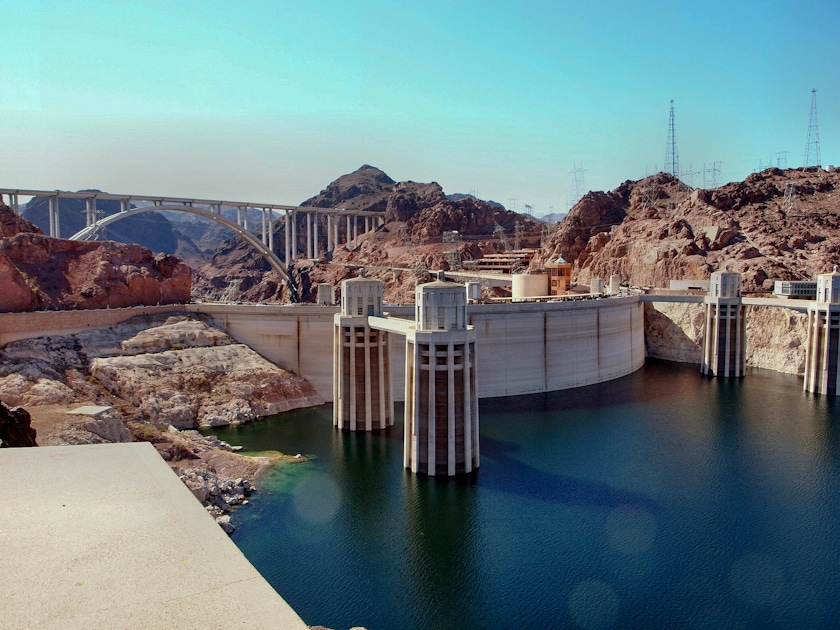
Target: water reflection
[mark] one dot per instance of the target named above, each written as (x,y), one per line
(442,547)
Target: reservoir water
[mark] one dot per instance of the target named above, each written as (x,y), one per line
(660,500)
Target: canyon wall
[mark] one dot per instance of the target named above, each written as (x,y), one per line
(776,337)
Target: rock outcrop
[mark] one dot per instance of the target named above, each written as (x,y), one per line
(15,427)
(776,337)
(166,370)
(203,387)
(773,225)
(40,273)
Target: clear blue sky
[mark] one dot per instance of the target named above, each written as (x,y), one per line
(271,100)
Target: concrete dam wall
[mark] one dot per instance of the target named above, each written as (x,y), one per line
(522,348)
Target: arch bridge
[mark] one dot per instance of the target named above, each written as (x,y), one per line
(356,222)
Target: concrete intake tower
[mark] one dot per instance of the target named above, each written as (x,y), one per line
(441,395)
(362,398)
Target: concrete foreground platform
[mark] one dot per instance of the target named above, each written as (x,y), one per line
(106,536)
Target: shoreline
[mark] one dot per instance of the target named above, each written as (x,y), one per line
(219,476)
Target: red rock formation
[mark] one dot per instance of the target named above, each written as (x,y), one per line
(656,229)
(11,224)
(38,272)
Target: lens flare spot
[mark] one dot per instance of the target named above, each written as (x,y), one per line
(630,529)
(593,605)
(316,499)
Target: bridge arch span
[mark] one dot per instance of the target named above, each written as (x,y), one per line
(252,240)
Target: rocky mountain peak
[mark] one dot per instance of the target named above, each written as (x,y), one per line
(364,189)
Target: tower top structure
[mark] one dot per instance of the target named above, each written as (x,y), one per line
(672,158)
(812,144)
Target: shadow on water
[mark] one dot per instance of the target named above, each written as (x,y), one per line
(642,386)
(524,480)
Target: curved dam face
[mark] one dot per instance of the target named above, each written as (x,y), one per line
(521,348)
(542,347)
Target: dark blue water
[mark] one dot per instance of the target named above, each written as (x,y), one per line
(660,500)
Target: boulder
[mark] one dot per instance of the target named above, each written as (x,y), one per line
(15,429)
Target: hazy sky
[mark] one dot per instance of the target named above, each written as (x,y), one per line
(269,101)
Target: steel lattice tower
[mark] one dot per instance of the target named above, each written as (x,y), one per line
(672,158)
(578,187)
(812,145)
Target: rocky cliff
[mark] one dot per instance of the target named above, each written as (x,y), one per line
(38,272)
(774,225)
(776,337)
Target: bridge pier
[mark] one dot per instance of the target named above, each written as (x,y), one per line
(441,395)
(362,398)
(308,234)
(329,232)
(349,232)
(13,202)
(55,227)
(724,343)
(288,236)
(294,236)
(316,252)
(271,229)
(822,354)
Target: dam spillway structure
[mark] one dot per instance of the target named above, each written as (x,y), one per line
(362,397)
(823,350)
(441,395)
(724,343)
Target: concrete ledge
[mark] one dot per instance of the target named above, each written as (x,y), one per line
(106,536)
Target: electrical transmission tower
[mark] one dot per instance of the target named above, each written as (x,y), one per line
(578,186)
(672,158)
(812,145)
(711,175)
(781,159)
(789,203)
(453,254)
(688,176)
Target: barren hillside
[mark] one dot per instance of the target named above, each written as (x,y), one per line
(774,225)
